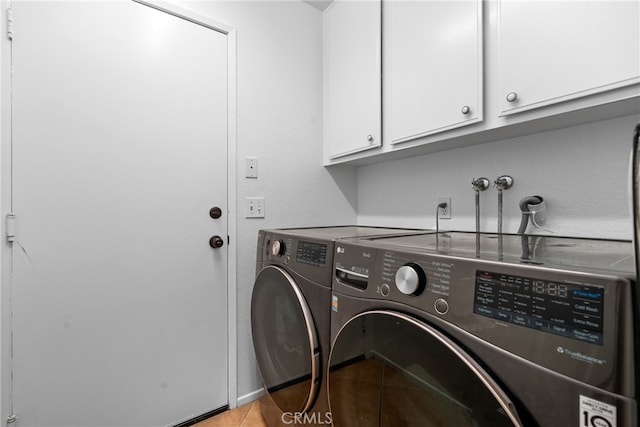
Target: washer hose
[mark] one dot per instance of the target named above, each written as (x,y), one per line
(524,208)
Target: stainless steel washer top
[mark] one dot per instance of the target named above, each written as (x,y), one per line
(545,326)
(615,256)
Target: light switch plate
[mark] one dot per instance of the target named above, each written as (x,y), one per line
(254,207)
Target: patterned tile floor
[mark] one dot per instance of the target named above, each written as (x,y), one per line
(244,416)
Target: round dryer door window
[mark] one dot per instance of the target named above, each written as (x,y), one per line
(389,369)
(285,341)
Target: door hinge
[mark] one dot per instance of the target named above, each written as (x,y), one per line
(11,227)
(10,23)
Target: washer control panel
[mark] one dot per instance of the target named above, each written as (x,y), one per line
(573,309)
(307,256)
(574,322)
(393,275)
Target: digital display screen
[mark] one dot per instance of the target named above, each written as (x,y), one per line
(572,310)
(312,253)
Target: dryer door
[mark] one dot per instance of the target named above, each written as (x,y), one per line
(285,340)
(389,369)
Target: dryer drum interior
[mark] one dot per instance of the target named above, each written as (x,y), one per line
(387,368)
(285,340)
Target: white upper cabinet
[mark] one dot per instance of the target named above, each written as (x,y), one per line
(352,81)
(555,51)
(432,66)
(439,74)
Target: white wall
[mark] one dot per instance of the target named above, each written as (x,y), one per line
(279,75)
(581,172)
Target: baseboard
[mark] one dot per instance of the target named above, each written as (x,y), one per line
(250,397)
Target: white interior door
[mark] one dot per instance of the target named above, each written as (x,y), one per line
(119,152)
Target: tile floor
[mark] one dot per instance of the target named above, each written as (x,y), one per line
(244,416)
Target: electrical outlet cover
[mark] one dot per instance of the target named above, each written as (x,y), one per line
(444,213)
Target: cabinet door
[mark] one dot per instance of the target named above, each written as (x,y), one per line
(433,57)
(352,68)
(556,51)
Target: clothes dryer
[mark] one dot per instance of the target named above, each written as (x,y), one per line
(290,319)
(438,330)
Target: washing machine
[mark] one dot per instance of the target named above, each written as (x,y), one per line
(290,319)
(484,330)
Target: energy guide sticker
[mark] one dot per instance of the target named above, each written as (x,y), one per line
(594,413)
(334,303)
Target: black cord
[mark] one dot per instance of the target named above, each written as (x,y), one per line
(440,206)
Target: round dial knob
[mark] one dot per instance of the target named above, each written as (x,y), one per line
(410,279)
(278,248)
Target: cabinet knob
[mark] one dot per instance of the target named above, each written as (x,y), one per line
(370,138)
(512,96)
(465,109)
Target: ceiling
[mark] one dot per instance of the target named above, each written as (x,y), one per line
(319,4)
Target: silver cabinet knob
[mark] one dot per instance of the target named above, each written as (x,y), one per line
(512,96)
(465,109)
(370,138)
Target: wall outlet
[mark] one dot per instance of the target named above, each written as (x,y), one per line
(251,167)
(444,213)
(254,207)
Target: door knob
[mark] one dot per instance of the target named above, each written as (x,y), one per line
(215,212)
(216,242)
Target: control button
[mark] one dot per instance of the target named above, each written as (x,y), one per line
(441,306)
(384,290)
(278,248)
(410,279)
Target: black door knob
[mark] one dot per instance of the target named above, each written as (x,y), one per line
(215,212)
(216,242)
